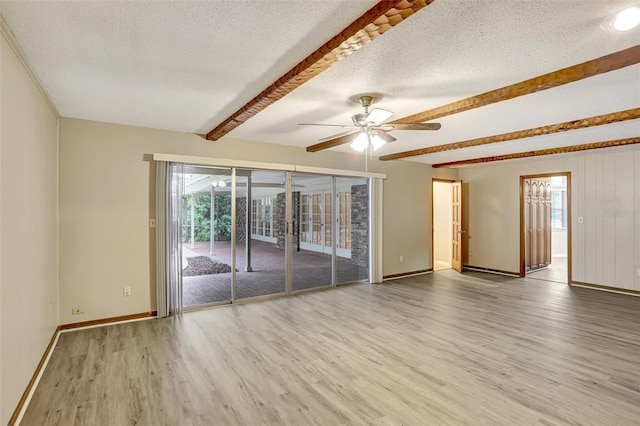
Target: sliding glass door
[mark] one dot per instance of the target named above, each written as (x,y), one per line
(248,233)
(312,251)
(260,233)
(352,234)
(206,236)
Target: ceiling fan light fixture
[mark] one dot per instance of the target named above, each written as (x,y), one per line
(627,19)
(377,142)
(361,142)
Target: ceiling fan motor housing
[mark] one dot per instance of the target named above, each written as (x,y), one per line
(366,101)
(360,119)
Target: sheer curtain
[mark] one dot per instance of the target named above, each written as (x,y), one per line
(169,193)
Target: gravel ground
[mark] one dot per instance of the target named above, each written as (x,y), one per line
(204,265)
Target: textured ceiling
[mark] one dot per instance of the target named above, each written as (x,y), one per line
(188,65)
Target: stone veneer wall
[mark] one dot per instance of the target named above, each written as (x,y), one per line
(360,225)
(280,225)
(241,218)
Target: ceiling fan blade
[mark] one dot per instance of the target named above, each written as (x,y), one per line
(385,136)
(411,126)
(378,115)
(339,135)
(349,126)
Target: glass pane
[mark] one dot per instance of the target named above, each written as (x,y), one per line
(260,255)
(344,220)
(206,249)
(352,251)
(305,233)
(316,219)
(311,257)
(327,219)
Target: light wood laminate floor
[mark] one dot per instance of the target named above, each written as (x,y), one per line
(441,348)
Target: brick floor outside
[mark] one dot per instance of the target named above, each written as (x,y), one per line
(310,270)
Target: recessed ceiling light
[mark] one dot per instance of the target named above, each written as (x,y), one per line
(626,19)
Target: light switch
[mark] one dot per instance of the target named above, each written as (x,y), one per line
(152,223)
(580,219)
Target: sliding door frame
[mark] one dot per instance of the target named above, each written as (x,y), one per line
(375,216)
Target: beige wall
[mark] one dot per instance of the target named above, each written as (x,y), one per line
(107,197)
(605,192)
(28,228)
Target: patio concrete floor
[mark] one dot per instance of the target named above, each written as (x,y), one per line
(310,270)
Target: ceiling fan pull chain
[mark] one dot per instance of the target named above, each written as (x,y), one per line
(366,162)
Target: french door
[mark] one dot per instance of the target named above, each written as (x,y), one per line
(317,223)
(262,217)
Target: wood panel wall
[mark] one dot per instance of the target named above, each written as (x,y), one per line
(605,189)
(609,212)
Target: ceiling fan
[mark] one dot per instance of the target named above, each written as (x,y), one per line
(369,130)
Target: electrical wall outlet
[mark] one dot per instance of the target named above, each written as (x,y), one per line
(77,310)
(126,291)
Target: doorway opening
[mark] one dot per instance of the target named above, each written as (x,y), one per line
(442,224)
(545,227)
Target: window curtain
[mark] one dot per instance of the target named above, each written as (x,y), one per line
(375,230)
(169,194)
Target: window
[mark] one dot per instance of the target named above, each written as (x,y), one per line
(558,209)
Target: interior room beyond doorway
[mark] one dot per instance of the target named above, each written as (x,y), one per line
(546,226)
(442,214)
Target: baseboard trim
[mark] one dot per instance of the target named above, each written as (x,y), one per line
(105,321)
(406,274)
(606,288)
(16,417)
(491,271)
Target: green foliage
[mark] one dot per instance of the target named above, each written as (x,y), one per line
(201,217)
(223,226)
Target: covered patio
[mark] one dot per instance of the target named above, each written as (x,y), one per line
(267,276)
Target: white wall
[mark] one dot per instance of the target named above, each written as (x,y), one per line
(559,242)
(442,220)
(107,185)
(605,191)
(28,227)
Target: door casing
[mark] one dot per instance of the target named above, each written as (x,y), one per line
(522,229)
(457,260)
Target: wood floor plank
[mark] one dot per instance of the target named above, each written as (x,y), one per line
(442,348)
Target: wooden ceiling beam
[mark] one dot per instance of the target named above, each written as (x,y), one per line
(541,152)
(557,78)
(372,24)
(599,120)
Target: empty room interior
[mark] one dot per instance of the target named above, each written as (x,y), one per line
(405,212)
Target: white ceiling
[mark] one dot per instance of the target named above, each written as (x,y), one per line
(188,65)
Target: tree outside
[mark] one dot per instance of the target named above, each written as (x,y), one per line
(201,218)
